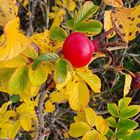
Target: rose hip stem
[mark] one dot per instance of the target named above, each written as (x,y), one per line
(99,46)
(104,34)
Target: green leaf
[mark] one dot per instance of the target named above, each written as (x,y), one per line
(112,121)
(60,73)
(57,33)
(122,133)
(86,11)
(110,133)
(44,57)
(18,80)
(78,129)
(124,102)
(135,135)
(14,98)
(70,23)
(113,110)
(92,27)
(130,111)
(127,124)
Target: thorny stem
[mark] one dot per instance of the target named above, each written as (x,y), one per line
(40,116)
(40,111)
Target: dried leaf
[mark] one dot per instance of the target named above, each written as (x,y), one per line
(8,11)
(127,23)
(108,23)
(114,3)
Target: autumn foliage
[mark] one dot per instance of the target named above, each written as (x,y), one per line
(50,76)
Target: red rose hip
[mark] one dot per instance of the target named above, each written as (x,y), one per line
(78,49)
(136,81)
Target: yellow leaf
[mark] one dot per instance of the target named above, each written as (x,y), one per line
(102,137)
(31,52)
(127,85)
(6,125)
(2,39)
(78,129)
(59,16)
(90,116)
(18,80)
(5,75)
(79,96)
(66,135)
(40,74)
(15,42)
(41,40)
(49,107)
(91,79)
(14,62)
(101,125)
(126,21)
(10,113)
(4,107)
(8,11)
(27,110)
(68,79)
(114,3)
(26,123)
(108,23)
(91,135)
(70,4)
(14,130)
(44,43)
(34,90)
(58,96)
(3,134)
(24,2)
(80,117)
(29,92)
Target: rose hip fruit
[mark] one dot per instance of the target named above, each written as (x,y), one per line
(136,81)
(78,49)
(97,44)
